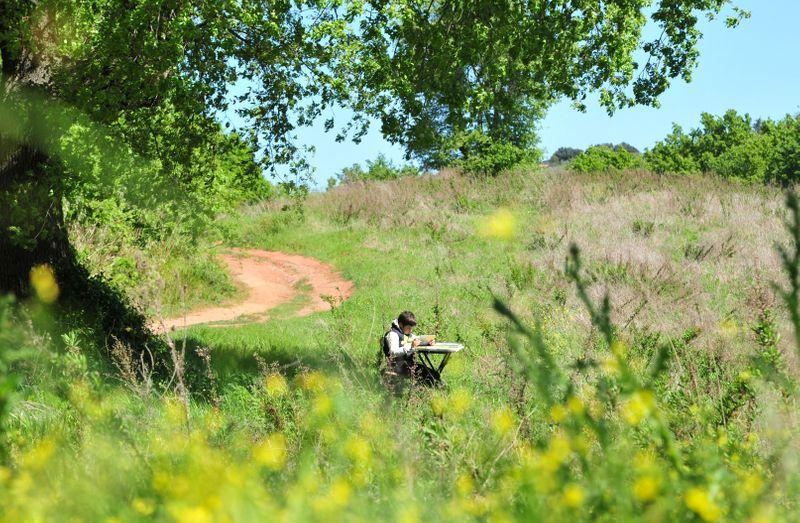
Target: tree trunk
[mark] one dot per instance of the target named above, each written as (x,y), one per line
(32,229)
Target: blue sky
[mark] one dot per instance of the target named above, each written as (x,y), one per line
(754,68)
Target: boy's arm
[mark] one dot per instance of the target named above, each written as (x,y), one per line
(397,349)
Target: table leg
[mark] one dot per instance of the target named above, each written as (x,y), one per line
(427,360)
(443,363)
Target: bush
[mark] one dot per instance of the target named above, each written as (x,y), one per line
(564,154)
(784,159)
(483,155)
(733,146)
(379,169)
(601,158)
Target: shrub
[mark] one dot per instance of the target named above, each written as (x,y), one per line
(380,169)
(784,160)
(483,155)
(748,160)
(601,158)
(732,146)
(564,154)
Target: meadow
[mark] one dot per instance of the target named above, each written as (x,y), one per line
(646,374)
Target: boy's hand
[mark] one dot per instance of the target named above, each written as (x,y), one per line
(415,342)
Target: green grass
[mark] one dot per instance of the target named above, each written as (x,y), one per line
(293,423)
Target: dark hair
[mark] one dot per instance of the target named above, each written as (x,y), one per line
(407,318)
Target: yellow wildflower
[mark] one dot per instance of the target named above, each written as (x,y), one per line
(722,439)
(573,495)
(323,405)
(340,492)
(409,514)
(198,514)
(619,348)
(464,484)
(460,401)
(503,421)
(272,451)
(145,507)
(500,225)
(763,514)
(313,381)
(359,451)
(558,413)
(43,281)
(639,406)
(276,385)
(700,502)
(575,405)
(610,365)
(753,484)
(646,488)
(39,455)
(557,453)
(438,405)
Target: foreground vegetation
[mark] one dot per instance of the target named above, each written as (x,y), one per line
(672,401)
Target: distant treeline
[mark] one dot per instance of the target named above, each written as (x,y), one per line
(731,146)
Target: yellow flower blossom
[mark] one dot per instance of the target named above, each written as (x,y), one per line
(763,514)
(409,514)
(460,401)
(276,385)
(639,406)
(464,484)
(699,501)
(312,381)
(575,405)
(646,488)
(336,498)
(503,421)
(272,451)
(184,514)
(340,492)
(359,451)
(753,484)
(438,405)
(558,413)
(38,456)
(323,405)
(619,348)
(557,452)
(43,281)
(610,365)
(145,507)
(573,495)
(500,225)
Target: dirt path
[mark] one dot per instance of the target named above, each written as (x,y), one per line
(270,279)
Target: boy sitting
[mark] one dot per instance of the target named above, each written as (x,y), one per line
(399,343)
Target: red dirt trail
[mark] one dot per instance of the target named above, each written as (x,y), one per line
(270,278)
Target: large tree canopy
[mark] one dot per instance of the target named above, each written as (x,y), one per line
(154,73)
(434,71)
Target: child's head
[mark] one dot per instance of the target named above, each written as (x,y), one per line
(407,321)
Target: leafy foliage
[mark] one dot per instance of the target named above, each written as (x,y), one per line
(732,146)
(602,158)
(434,73)
(564,154)
(379,169)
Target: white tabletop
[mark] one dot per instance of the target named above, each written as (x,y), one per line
(440,347)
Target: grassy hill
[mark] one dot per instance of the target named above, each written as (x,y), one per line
(673,404)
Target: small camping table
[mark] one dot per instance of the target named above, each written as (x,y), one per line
(440,347)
